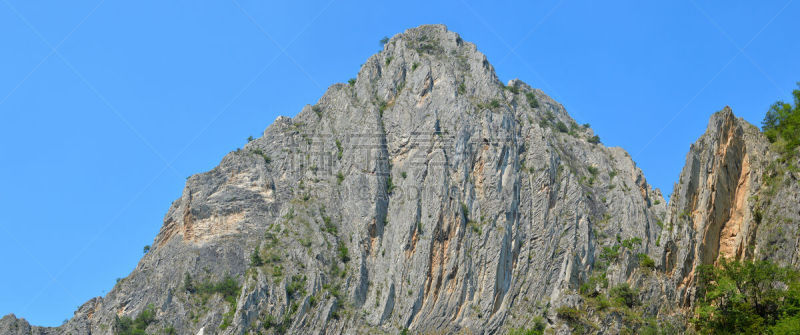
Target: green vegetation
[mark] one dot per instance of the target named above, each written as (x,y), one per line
(609,254)
(389,60)
(414,66)
(339,178)
(344,254)
(382,106)
(569,313)
(494,104)
(127,326)
(532,100)
(561,127)
(255,257)
(646,262)
(351,81)
(339,149)
(146,249)
(384,40)
(594,139)
(512,89)
(228,288)
(631,242)
(328,226)
(749,297)
(781,124)
(598,279)
(188,284)
(296,287)
(259,152)
(537,329)
(277,271)
(462,88)
(250,138)
(390,186)
(624,296)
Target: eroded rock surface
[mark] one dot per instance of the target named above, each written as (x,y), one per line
(428,195)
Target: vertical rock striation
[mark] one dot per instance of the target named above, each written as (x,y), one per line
(427,195)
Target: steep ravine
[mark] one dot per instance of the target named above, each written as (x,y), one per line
(427,195)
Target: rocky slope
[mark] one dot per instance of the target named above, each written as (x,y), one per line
(427,195)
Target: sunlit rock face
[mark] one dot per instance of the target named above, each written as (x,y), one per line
(427,195)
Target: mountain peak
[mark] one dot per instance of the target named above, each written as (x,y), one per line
(427,195)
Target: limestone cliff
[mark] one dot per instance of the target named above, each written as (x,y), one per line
(427,195)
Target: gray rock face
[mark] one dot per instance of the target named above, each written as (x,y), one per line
(734,199)
(430,196)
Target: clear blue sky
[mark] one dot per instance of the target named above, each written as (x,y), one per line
(98,136)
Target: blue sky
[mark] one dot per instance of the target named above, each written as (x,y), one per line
(107,106)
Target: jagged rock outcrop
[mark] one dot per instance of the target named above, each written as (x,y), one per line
(733,200)
(427,195)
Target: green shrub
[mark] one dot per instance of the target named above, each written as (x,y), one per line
(277,271)
(339,149)
(561,127)
(389,185)
(537,329)
(384,40)
(512,89)
(631,242)
(609,254)
(646,262)
(127,326)
(569,313)
(227,287)
(624,296)
(263,155)
(255,257)
(414,66)
(344,254)
(351,81)
(188,284)
(146,249)
(328,226)
(782,123)
(594,139)
(296,287)
(755,297)
(589,287)
(532,100)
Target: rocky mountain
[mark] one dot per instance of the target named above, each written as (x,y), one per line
(426,196)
